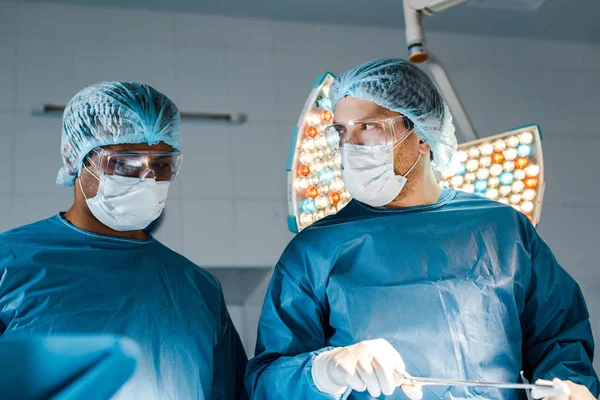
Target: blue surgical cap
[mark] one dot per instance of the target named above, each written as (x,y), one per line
(111,113)
(400,86)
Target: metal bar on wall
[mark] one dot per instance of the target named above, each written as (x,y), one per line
(234,119)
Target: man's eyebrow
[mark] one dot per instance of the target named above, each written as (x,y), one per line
(375,115)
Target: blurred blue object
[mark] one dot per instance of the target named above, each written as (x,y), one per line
(325,103)
(56,279)
(481,186)
(523,150)
(65,367)
(506,178)
(326,175)
(309,206)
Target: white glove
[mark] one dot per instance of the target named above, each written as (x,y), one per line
(373,365)
(572,390)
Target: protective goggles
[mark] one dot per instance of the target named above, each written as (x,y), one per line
(136,164)
(368,132)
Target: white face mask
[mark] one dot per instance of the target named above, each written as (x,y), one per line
(127,204)
(368,173)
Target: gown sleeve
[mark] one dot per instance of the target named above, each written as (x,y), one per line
(290,335)
(557,336)
(229,361)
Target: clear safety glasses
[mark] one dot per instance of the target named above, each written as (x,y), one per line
(137,164)
(368,132)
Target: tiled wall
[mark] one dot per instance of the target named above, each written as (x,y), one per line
(228,208)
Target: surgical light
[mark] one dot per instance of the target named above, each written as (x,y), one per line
(498,157)
(521,162)
(315,188)
(506,178)
(308,206)
(519,174)
(510,154)
(324,103)
(499,145)
(303,170)
(507,167)
(311,132)
(515,174)
(494,181)
(485,161)
(326,175)
(524,150)
(480,186)
(496,170)
(312,192)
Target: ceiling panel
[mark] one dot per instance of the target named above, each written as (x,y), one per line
(572,20)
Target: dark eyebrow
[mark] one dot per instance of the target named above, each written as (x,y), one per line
(375,115)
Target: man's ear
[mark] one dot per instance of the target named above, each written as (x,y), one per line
(424,148)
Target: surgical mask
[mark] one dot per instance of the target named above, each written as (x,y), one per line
(127,204)
(368,173)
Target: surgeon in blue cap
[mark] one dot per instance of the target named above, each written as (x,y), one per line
(97,269)
(410,280)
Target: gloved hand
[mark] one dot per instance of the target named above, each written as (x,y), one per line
(373,365)
(573,391)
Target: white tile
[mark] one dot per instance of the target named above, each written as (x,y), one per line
(294,76)
(260,232)
(566,102)
(37,155)
(249,34)
(572,234)
(298,38)
(456,50)
(361,43)
(315,40)
(200,79)
(8,72)
(259,159)
(206,31)
(250,87)
(7,145)
(5,213)
(120,26)
(44,73)
(32,208)
(545,54)
(175,189)
(9,17)
(46,20)
(207,164)
(208,232)
(498,99)
(170,230)
(145,63)
(570,170)
(236,313)
(253,309)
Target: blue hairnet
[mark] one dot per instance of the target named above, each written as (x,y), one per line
(400,86)
(111,113)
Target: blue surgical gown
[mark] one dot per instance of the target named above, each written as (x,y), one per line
(57,279)
(463,289)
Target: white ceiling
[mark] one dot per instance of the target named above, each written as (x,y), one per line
(572,20)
